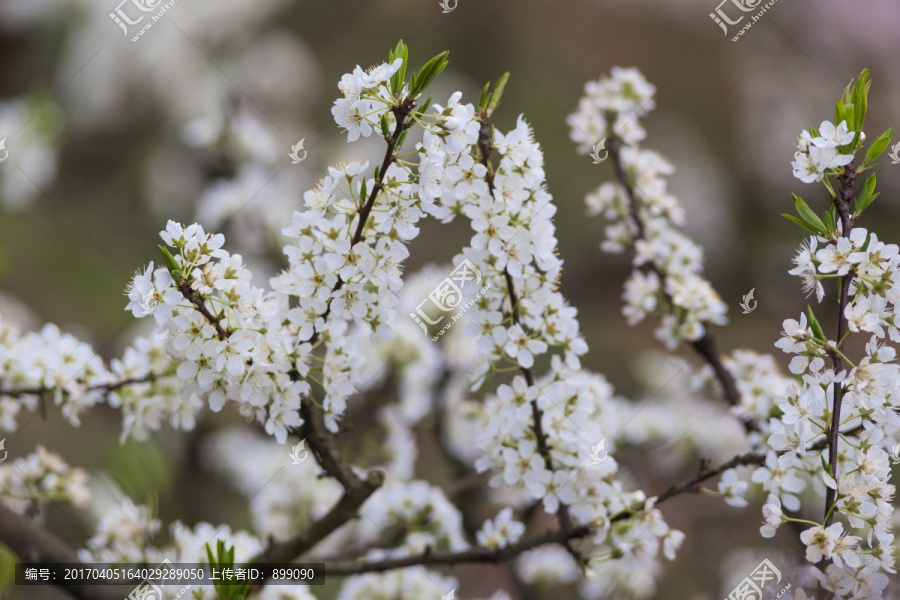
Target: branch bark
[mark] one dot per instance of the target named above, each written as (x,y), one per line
(356,490)
(32,543)
(842,205)
(473,555)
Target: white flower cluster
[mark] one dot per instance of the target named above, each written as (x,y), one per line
(645,217)
(420,511)
(226,335)
(123,535)
(613,104)
(868,416)
(519,319)
(858,546)
(51,364)
(27,483)
(365,100)
(414,582)
(816,155)
(126,532)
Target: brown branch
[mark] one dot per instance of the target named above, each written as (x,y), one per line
(565,519)
(198,301)
(104,387)
(473,555)
(751,458)
(32,543)
(705,346)
(401,114)
(356,490)
(691,485)
(842,205)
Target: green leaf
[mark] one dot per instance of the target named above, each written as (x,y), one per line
(398,78)
(877,149)
(497,94)
(385,129)
(171,264)
(425,105)
(846,95)
(828,218)
(808,215)
(866,196)
(859,97)
(429,73)
(840,113)
(814,325)
(794,219)
(484,97)
(825,464)
(866,245)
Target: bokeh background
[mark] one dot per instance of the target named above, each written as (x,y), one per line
(98,130)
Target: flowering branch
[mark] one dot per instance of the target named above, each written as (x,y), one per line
(705,345)
(104,388)
(842,203)
(401,113)
(484,148)
(199,303)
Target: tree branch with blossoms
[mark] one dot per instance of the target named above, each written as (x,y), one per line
(704,343)
(518,408)
(833,420)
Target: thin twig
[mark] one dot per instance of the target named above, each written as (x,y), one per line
(705,346)
(565,519)
(842,205)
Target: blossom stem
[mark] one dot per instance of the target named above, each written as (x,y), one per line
(401,113)
(198,301)
(842,205)
(565,520)
(105,387)
(706,345)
